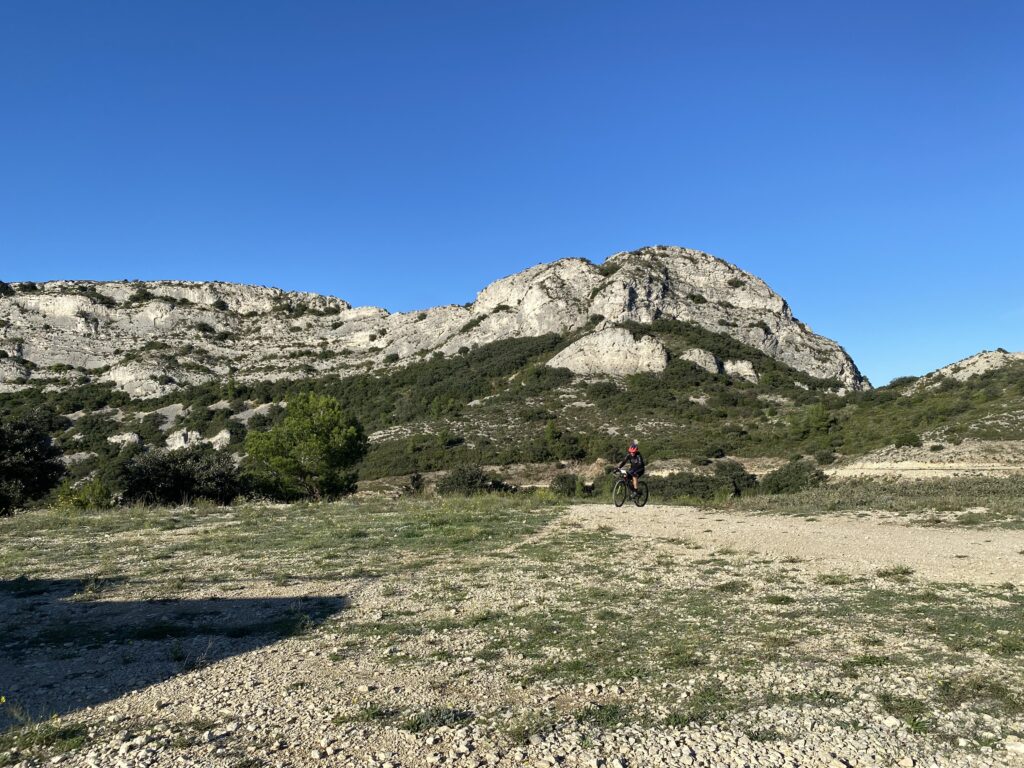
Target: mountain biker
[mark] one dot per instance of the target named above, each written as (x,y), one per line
(636,464)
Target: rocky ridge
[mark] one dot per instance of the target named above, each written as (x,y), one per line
(969,367)
(149,338)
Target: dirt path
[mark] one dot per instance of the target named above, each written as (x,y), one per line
(855,545)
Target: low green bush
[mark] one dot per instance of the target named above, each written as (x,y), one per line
(799,475)
(825,457)
(908,440)
(468,480)
(565,485)
(181,476)
(93,493)
(727,479)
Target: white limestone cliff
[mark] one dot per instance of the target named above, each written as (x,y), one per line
(150,338)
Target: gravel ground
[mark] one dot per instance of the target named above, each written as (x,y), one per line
(590,637)
(847,542)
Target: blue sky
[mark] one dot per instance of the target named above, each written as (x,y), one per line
(866,159)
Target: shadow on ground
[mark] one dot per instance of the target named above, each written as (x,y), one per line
(61,649)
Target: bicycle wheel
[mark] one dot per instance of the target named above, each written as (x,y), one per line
(641,495)
(619,493)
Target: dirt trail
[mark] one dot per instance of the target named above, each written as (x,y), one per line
(855,545)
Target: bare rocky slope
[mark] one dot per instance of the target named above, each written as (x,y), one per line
(149,338)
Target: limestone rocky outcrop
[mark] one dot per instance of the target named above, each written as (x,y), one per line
(612,352)
(969,367)
(150,337)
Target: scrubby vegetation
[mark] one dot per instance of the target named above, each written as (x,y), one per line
(499,404)
(30,464)
(176,477)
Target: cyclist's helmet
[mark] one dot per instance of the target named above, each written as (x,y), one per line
(633,447)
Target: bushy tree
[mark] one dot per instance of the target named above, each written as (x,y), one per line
(176,477)
(310,453)
(30,464)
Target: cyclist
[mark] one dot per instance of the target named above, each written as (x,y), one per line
(636,465)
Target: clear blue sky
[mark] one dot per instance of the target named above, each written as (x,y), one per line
(866,159)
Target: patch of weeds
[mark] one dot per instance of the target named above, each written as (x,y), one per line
(895,572)
(732,587)
(605,716)
(53,736)
(764,734)
(822,698)
(984,694)
(911,711)
(521,730)
(706,704)
(851,667)
(1010,645)
(834,579)
(681,655)
(436,717)
(779,600)
(370,712)
(484,618)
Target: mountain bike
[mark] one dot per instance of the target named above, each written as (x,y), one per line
(623,489)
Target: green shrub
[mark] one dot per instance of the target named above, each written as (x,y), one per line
(5,289)
(696,298)
(733,477)
(795,476)
(684,485)
(902,381)
(221,305)
(93,493)
(825,457)
(565,485)
(468,480)
(311,452)
(30,464)
(181,476)
(472,324)
(735,282)
(391,357)
(907,440)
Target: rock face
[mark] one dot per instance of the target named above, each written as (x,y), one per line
(612,352)
(150,338)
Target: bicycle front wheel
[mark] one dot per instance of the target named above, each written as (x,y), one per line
(641,494)
(619,493)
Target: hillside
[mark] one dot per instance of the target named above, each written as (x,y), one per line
(530,373)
